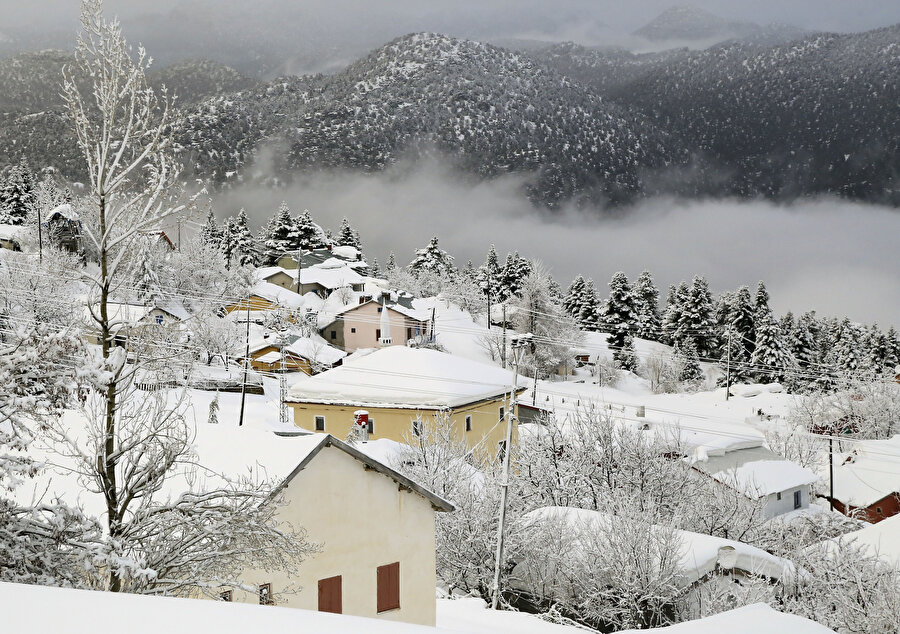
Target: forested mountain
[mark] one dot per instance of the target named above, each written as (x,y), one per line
(818,115)
(814,116)
(688,24)
(490,110)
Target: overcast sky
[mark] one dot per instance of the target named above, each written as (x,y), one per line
(585,19)
(836,257)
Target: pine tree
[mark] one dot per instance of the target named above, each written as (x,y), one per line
(734,359)
(305,233)
(391,263)
(277,235)
(803,340)
(17,196)
(489,276)
(691,372)
(618,314)
(588,317)
(238,244)
(646,304)
(572,301)
(514,272)
(374,269)
(347,237)
(848,352)
(148,288)
(761,303)
(470,272)
(892,355)
(432,259)
(625,357)
(771,359)
(743,318)
(698,319)
(210,234)
(673,318)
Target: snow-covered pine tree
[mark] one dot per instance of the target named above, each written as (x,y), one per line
(469,272)
(210,234)
(734,358)
(743,318)
(588,317)
(848,348)
(803,340)
(277,235)
(691,373)
(17,196)
(514,272)
(618,314)
(772,359)
(347,236)
(646,304)
(146,278)
(698,318)
(572,301)
(761,308)
(374,268)
(892,356)
(239,246)
(305,233)
(625,357)
(432,259)
(489,276)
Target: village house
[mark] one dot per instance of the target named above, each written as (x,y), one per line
(866,483)
(132,319)
(321,279)
(64,228)
(265,297)
(382,568)
(761,474)
(11,237)
(309,355)
(397,385)
(390,320)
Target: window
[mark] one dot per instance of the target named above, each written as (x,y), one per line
(333,335)
(778,496)
(379,309)
(798,499)
(371,426)
(265,594)
(502,412)
(409,333)
(417,428)
(320,423)
(225,596)
(377,334)
(353,330)
(330,595)
(389,587)
(878,510)
(159,319)
(468,423)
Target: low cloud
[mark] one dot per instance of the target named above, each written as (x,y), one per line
(833,256)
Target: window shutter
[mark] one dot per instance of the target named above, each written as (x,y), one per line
(389,587)
(330,595)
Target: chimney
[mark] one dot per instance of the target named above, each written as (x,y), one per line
(361,420)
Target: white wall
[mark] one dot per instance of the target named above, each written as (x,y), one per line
(774,506)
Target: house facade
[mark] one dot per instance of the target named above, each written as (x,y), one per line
(382,567)
(362,326)
(398,385)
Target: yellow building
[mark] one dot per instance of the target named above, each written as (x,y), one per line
(374,527)
(396,385)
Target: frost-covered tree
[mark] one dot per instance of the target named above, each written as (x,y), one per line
(347,236)
(306,234)
(146,278)
(572,300)
(742,318)
(761,308)
(210,234)
(625,357)
(772,359)
(17,195)
(618,314)
(238,244)
(698,318)
(691,373)
(432,259)
(276,236)
(213,417)
(646,305)
(490,277)
(131,442)
(515,269)
(534,311)
(673,328)
(733,359)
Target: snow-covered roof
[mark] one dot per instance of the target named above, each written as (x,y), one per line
(277,294)
(331,277)
(13,233)
(270,357)
(756,472)
(880,540)
(750,619)
(314,348)
(124,314)
(403,377)
(701,554)
(65,210)
(265,272)
(25,609)
(346,252)
(867,471)
(405,310)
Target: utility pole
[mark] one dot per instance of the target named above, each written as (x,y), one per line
(246,366)
(488,293)
(282,388)
(40,236)
(728,367)
(503,348)
(433,323)
(504,484)
(831,471)
(299,268)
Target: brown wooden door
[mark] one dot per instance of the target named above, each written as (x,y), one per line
(330,595)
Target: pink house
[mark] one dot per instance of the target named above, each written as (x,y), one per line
(377,324)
